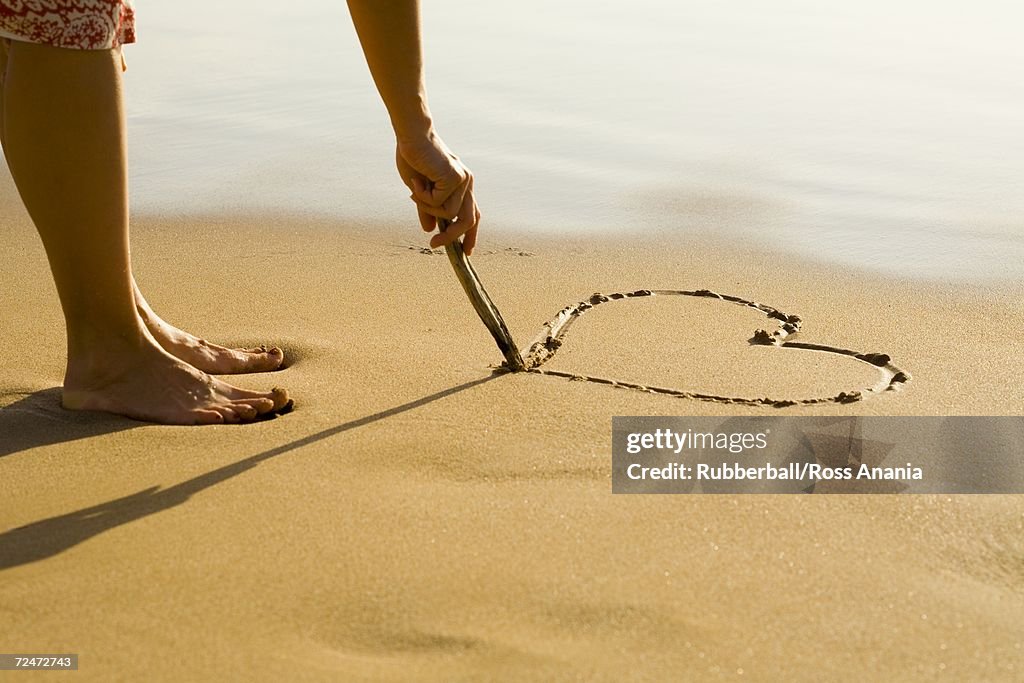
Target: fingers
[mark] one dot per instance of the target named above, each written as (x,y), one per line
(427,222)
(438,179)
(449,213)
(425,198)
(463,219)
(442,189)
(427,219)
(455,231)
(454,201)
(419,187)
(448,190)
(421,190)
(466,223)
(469,241)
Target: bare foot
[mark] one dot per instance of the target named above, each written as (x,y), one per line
(204,355)
(147,383)
(210,357)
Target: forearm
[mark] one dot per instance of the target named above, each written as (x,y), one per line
(389,31)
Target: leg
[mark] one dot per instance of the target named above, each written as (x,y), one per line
(5,45)
(202,354)
(63,134)
(198,353)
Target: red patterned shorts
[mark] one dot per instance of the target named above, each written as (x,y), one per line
(76,24)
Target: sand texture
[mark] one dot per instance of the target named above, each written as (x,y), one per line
(420,517)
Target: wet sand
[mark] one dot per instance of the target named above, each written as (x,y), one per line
(419,517)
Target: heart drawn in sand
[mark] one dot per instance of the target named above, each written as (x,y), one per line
(550,339)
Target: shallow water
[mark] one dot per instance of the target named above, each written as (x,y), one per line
(886,135)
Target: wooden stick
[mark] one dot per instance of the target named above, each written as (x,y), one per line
(482,303)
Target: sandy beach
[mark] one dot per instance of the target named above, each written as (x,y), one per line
(418,517)
(699,209)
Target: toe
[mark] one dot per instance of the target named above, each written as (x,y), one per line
(280,398)
(245,411)
(239,394)
(262,360)
(259,405)
(229,414)
(206,417)
(276,400)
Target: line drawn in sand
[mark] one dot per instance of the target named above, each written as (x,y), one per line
(546,344)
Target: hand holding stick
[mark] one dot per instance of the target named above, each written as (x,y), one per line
(482,303)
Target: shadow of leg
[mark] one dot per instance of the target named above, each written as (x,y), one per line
(49,537)
(38,419)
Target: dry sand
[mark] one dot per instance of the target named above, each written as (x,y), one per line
(419,518)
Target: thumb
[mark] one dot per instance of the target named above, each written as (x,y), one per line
(422,190)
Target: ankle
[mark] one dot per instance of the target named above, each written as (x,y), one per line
(94,355)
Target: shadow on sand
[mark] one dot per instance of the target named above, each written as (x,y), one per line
(39,420)
(49,537)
